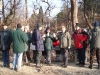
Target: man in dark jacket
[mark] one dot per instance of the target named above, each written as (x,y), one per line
(95,44)
(19,38)
(5,41)
(38,43)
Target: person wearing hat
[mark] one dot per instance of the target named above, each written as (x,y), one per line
(39,44)
(5,41)
(18,38)
(95,44)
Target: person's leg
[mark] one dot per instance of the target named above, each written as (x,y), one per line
(19,61)
(3,58)
(65,57)
(98,57)
(7,58)
(49,56)
(38,57)
(82,57)
(79,56)
(34,56)
(28,55)
(62,53)
(15,55)
(92,53)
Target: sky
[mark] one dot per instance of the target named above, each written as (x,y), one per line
(54,12)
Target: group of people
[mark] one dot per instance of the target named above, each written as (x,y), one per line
(21,39)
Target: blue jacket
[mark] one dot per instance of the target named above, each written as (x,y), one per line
(38,40)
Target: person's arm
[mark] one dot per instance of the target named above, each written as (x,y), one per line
(24,37)
(69,40)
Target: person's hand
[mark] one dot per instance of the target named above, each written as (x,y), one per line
(47,34)
(69,47)
(54,35)
(43,35)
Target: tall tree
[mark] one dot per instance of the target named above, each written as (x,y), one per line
(40,15)
(74,12)
(26,12)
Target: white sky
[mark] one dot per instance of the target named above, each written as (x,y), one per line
(54,12)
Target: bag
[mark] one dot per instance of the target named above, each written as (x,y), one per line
(56,43)
(32,47)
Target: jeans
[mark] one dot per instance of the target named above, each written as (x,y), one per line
(5,57)
(17,60)
(64,53)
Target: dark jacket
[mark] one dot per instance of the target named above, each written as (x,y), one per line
(29,41)
(5,39)
(48,42)
(95,38)
(19,38)
(38,40)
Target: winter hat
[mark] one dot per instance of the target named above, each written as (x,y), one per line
(96,23)
(47,28)
(39,25)
(19,25)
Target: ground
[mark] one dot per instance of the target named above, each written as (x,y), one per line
(56,69)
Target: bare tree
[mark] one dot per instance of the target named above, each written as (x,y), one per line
(74,12)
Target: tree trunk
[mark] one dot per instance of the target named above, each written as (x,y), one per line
(86,17)
(3,11)
(74,12)
(26,12)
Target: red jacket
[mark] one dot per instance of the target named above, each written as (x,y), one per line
(78,39)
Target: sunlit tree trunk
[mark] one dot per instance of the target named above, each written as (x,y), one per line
(74,12)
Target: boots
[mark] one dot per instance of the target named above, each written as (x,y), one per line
(98,66)
(90,66)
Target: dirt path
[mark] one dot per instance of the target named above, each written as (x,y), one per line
(56,69)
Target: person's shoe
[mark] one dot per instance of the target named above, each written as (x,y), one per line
(65,66)
(4,65)
(38,66)
(98,66)
(78,64)
(62,65)
(49,64)
(81,65)
(18,70)
(90,66)
(8,66)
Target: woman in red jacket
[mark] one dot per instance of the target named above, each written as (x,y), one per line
(79,37)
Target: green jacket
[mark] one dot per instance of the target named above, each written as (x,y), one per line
(65,40)
(48,42)
(19,38)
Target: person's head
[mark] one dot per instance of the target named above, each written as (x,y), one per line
(96,24)
(39,26)
(77,27)
(26,29)
(48,30)
(4,27)
(63,28)
(19,25)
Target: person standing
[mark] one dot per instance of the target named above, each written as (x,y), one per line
(27,44)
(18,38)
(5,41)
(95,44)
(65,44)
(39,44)
(48,45)
(79,39)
